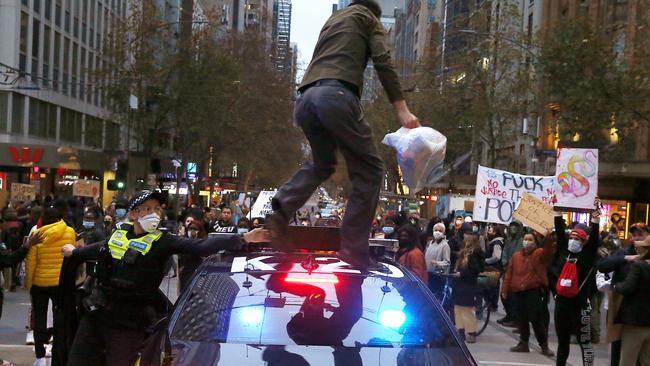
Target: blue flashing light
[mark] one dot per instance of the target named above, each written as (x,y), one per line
(392,318)
(251,316)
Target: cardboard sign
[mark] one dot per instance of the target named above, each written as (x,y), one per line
(22,192)
(535,214)
(262,205)
(576,179)
(498,193)
(86,188)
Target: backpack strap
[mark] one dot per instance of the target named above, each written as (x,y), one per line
(586,278)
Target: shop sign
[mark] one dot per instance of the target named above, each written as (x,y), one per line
(86,188)
(22,192)
(25,155)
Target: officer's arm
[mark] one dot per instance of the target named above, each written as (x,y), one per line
(89,252)
(203,247)
(8,260)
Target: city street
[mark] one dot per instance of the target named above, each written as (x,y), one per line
(490,350)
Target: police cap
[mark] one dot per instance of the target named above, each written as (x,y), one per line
(139,197)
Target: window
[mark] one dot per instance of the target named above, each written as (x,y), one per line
(4,111)
(25,2)
(93,133)
(75,29)
(66,58)
(70,126)
(37,118)
(24,24)
(17,113)
(57,13)
(84,32)
(56,61)
(37,6)
(75,68)
(50,127)
(36,27)
(48,9)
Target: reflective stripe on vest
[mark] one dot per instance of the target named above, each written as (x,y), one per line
(118,244)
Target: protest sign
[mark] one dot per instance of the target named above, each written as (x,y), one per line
(22,192)
(86,188)
(576,179)
(262,205)
(535,214)
(498,193)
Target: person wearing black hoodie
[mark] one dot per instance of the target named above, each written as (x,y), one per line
(572,309)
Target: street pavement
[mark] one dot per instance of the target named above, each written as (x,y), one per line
(490,350)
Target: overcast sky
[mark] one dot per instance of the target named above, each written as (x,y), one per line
(307,19)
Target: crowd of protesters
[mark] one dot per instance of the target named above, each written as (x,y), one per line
(575,265)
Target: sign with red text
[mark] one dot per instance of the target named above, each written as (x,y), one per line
(86,188)
(535,214)
(498,193)
(22,192)
(576,179)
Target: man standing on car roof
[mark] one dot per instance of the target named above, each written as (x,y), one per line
(331,116)
(130,268)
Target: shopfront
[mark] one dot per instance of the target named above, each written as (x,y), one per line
(49,169)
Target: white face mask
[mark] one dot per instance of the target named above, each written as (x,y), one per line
(150,222)
(438,235)
(528,244)
(575,246)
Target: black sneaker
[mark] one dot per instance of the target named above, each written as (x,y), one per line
(520,348)
(278,225)
(547,351)
(362,262)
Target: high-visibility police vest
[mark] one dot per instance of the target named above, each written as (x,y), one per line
(118,244)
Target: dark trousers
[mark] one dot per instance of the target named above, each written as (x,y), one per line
(332,119)
(97,344)
(510,307)
(436,285)
(531,311)
(573,317)
(41,297)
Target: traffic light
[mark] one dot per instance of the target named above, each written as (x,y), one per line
(115,185)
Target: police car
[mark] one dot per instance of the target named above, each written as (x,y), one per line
(305,308)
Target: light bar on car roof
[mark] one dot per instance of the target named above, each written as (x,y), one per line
(311,278)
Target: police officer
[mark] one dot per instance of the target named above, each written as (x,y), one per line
(126,299)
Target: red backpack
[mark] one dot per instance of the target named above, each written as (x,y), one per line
(567,283)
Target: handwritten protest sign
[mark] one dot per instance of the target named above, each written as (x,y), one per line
(262,205)
(22,192)
(534,213)
(498,193)
(86,188)
(576,179)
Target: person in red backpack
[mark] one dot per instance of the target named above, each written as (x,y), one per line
(572,308)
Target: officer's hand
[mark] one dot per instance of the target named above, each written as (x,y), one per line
(258,235)
(67,250)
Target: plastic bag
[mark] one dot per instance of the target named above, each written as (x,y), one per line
(420,155)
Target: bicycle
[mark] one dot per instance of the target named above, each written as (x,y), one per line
(483,309)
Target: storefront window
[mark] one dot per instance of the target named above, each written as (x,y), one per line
(18,113)
(615,213)
(4,111)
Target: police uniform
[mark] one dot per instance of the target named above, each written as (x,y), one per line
(126,298)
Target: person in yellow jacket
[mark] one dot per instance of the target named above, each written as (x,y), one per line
(43,268)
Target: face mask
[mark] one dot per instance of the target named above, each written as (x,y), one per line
(242,230)
(459,223)
(529,244)
(120,213)
(438,235)
(575,246)
(149,223)
(388,230)
(88,224)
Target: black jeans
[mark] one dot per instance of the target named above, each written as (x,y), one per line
(331,118)
(97,344)
(41,297)
(532,304)
(573,317)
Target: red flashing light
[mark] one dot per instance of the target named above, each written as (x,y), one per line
(311,280)
(37,169)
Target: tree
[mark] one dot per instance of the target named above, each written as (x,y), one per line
(601,89)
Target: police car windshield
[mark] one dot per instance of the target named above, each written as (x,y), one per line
(289,306)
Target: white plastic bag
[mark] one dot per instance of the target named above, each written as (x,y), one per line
(420,155)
